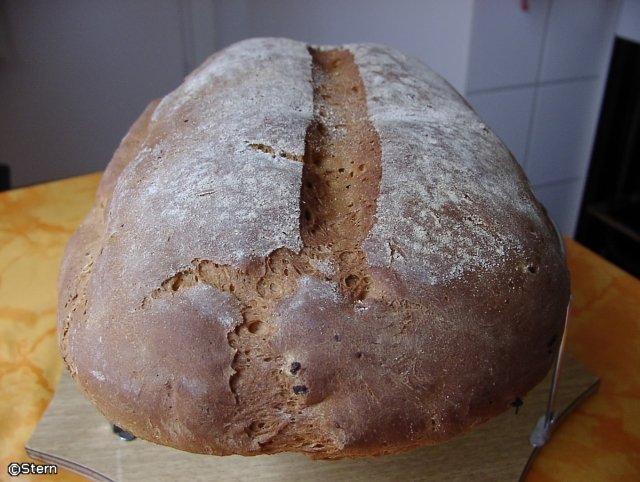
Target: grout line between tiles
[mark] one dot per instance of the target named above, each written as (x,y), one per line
(534,106)
(532,85)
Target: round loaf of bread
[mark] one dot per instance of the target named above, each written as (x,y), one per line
(310,249)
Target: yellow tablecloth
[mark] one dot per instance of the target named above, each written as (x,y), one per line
(600,441)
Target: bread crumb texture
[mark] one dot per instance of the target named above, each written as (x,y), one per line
(311,249)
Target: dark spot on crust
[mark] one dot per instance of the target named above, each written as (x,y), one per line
(517,403)
(295,367)
(299,389)
(351,280)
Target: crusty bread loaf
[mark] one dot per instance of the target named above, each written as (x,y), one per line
(312,249)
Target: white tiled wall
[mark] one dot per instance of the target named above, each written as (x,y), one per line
(562,201)
(508,112)
(78,73)
(537,77)
(561,131)
(629,20)
(577,39)
(505,43)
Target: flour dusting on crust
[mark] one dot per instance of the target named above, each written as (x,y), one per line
(446,207)
(211,193)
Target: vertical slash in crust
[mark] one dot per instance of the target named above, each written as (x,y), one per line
(342,171)
(340,183)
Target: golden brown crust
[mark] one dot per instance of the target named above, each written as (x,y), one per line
(286,254)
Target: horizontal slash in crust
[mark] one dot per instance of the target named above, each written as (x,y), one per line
(208,192)
(276,152)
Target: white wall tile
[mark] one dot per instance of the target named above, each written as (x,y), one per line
(506,43)
(562,202)
(628,25)
(507,113)
(578,38)
(562,131)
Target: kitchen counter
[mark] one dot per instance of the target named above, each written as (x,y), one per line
(599,441)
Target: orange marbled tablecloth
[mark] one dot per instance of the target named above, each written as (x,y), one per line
(600,440)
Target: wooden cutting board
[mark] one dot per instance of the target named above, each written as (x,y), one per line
(73,435)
